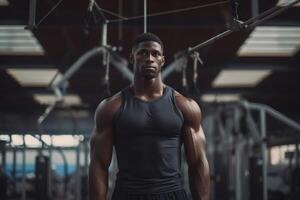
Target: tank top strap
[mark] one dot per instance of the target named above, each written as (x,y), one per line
(125,94)
(169,92)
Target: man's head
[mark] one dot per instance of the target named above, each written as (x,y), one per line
(147,56)
(146,37)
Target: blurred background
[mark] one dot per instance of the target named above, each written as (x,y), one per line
(60,58)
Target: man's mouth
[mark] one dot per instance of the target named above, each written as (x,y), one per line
(149,67)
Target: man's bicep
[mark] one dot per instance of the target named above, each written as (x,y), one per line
(102,146)
(194,145)
(102,137)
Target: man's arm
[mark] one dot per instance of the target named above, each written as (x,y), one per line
(194,145)
(101,149)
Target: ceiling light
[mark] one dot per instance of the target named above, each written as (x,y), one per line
(65,140)
(272,41)
(48,99)
(15,40)
(240,78)
(220,97)
(35,77)
(31,141)
(17,140)
(282,2)
(4,3)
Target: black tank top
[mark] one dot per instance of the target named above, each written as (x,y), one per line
(148,144)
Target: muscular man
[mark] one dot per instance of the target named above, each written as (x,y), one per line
(147,123)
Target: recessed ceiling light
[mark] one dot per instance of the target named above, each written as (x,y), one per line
(240,78)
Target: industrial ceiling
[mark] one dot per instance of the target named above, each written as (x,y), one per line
(259,64)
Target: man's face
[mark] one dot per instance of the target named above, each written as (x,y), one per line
(147,58)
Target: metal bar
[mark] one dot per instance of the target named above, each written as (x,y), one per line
(3,154)
(49,189)
(297,155)
(116,60)
(76,66)
(261,15)
(58,94)
(14,164)
(86,155)
(275,13)
(23,190)
(264,150)
(78,174)
(238,169)
(255,9)
(104,34)
(46,113)
(32,14)
(209,41)
(274,113)
(145,16)
(120,24)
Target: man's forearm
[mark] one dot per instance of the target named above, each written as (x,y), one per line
(199,181)
(98,182)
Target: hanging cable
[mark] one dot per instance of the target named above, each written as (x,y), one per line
(110,12)
(107,70)
(100,11)
(171,11)
(234,7)
(50,11)
(91,5)
(196,58)
(32,15)
(145,16)
(184,80)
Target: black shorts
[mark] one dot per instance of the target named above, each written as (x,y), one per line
(175,195)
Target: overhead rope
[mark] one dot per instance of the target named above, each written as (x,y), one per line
(49,12)
(170,11)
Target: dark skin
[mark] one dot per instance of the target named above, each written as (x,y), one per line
(147,59)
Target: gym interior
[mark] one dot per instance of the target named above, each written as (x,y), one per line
(239,60)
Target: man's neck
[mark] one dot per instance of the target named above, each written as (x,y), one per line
(148,89)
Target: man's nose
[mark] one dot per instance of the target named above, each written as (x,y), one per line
(149,58)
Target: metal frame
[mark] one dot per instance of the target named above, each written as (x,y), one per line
(263,111)
(23,148)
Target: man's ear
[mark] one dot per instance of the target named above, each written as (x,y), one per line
(162,61)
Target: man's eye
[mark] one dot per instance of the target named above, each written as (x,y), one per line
(143,53)
(156,54)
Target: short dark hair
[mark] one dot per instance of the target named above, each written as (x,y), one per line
(147,37)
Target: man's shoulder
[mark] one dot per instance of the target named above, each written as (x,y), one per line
(188,106)
(110,105)
(116,98)
(183,100)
